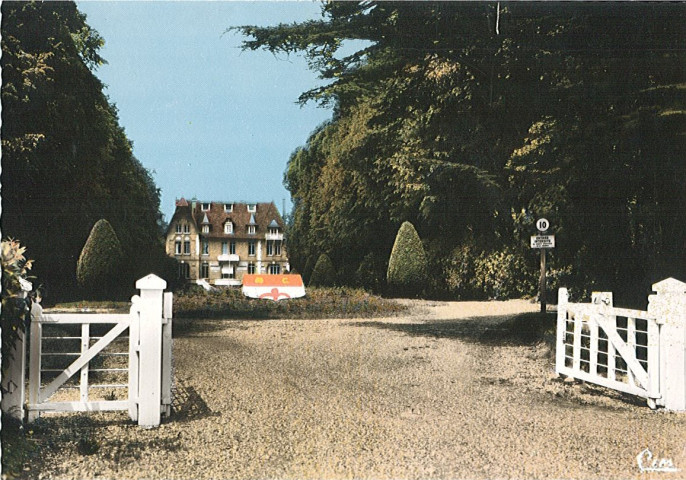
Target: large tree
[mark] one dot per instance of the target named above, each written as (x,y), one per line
(472,119)
(66,161)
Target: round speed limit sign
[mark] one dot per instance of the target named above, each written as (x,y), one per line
(542,224)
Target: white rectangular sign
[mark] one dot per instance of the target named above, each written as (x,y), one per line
(543,241)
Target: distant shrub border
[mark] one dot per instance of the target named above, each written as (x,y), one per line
(340,302)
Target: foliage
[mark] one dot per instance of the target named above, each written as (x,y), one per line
(496,274)
(99,260)
(371,274)
(407,266)
(66,161)
(324,273)
(470,120)
(15,304)
(307,269)
(318,303)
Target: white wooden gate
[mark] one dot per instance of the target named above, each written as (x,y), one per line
(144,357)
(632,351)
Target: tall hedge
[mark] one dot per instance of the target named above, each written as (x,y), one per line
(324,273)
(407,266)
(100,261)
(307,270)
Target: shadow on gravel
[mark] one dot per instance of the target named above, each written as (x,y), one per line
(524,329)
(188,405)
(187,327)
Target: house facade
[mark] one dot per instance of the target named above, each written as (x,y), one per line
(219,242)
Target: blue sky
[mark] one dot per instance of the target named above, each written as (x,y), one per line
(207,119)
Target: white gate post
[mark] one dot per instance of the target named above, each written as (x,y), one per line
(13,381)
(134,355)
(669,306)
(36,336)
(150,372)
(167,354)
(562,300)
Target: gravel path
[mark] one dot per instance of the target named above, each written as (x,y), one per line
(436,394)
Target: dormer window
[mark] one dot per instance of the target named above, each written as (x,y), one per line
(228,228)
(252,207)
(186,228)
(178,228)
(205,207)
(273,230)
(251,229)
(228,207)
(205,224)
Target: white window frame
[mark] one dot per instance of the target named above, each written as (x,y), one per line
(251,268)
(205,229)
(270,248)
(228,207)
(204,206)
(187,247)
(225,248)
(205,247)
(178,228)
(228,228)
(186,228)
(177,247)
(274,269)
(232,247)
(277,248)
(251,229)
(205,268)
(251,248)
(252,207)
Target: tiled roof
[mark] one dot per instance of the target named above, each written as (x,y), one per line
(265,214)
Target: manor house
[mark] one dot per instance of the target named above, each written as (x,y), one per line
(219,242)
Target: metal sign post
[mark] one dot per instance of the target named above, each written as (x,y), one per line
(542,242)
(542,282)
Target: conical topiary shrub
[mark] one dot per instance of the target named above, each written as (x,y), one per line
(99,262)
(407,267)
(324,274)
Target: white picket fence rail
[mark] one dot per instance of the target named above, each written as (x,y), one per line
(637,352)
(148,354)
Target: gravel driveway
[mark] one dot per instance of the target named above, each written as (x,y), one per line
(437,394)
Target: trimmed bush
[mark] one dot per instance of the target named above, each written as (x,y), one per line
(407,266)
(324,274)
(100,260)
